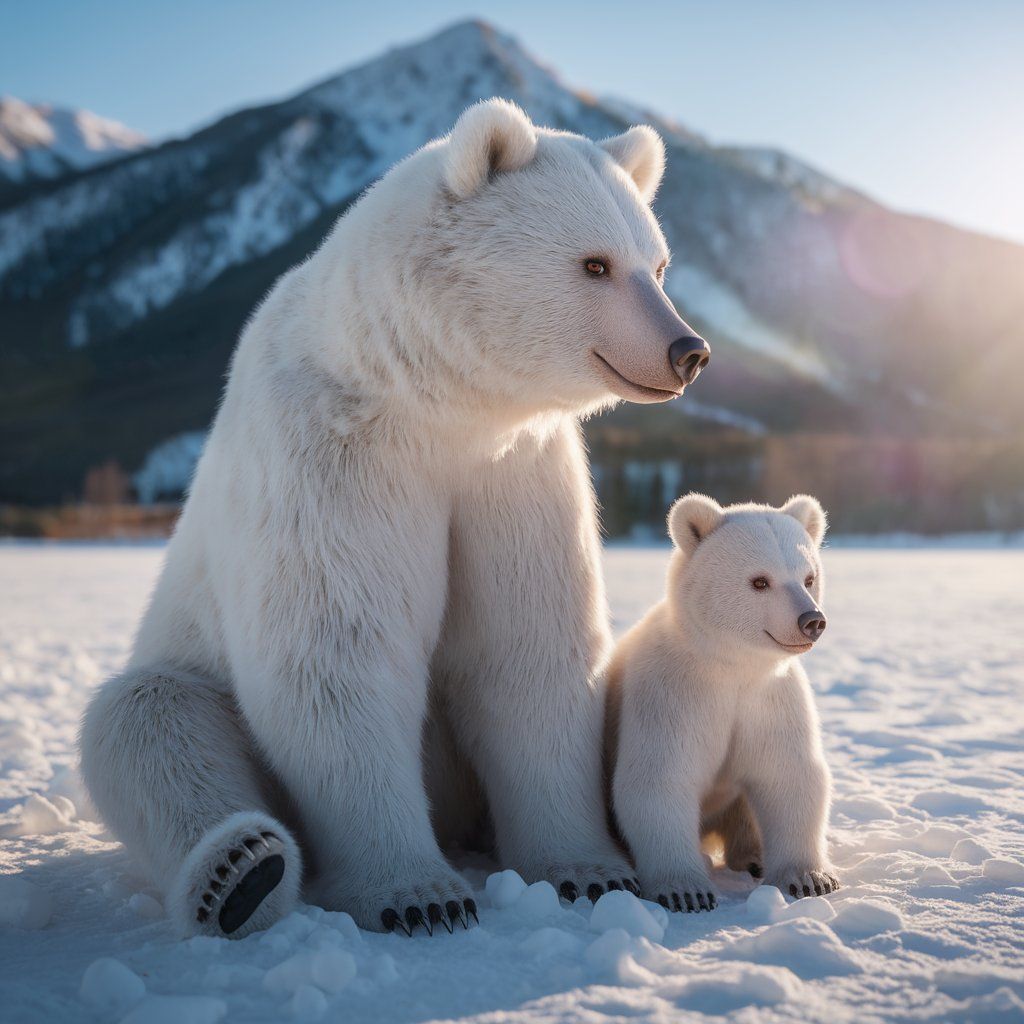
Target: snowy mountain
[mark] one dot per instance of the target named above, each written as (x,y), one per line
(122,289)
(43,141)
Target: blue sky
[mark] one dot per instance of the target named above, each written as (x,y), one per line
(918,102)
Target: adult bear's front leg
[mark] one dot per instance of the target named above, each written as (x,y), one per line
(521,657)
(332,678)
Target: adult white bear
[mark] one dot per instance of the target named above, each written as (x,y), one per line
(393,512)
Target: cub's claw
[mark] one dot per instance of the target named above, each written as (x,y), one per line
(594,892)
(568,891)
(471,909)
(755,869)
(687,904)
(630,885)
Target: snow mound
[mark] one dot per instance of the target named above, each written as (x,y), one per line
(110,987)
(622,910)
(807,947)
(858,919)
(1003,871)
(38,816)
(24,905)
(177,1010)
(739,986)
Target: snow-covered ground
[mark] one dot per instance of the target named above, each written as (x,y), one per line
(921,687)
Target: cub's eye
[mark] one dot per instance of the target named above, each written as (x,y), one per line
(760,583)
(809,582)
(596,267)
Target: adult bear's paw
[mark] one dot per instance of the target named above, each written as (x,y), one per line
(687,892)
(241,877)
(442,901)
(573,880)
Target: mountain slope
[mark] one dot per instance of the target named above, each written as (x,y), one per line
(43,141)
(122,289)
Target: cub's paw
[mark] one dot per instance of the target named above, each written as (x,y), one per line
(683,894)
(241,877)
(799,883)
(437,903)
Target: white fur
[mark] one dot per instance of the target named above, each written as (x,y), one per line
(393,513)
(712,725)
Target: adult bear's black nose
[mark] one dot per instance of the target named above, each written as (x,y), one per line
(688,357)
(812,624)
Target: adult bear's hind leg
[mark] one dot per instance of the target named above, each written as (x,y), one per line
(172,772)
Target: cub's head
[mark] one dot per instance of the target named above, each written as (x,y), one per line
(749,574)
(552,262)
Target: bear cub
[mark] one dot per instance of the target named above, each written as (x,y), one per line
(711,725)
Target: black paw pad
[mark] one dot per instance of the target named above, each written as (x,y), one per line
(568,891)
(250,892)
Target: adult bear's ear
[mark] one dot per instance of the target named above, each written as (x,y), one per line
(490,137)
(641,154)
(691,519)
(807,511)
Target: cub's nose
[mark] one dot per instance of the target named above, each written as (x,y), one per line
(812,624)
(688,357)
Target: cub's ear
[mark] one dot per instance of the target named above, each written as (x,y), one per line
(691,519)
(641,154)
(807,511)
(490,137)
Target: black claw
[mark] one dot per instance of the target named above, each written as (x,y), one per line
(268,835)
(817,888)
(202,914)
(413,917)
(712,901)
(614,885)
(471,909)
(630,886)
(807,890)
(207,899)
(216,886)
(690,908)
(676,904)
(389,918)
(755,869)
(702,902)
(223,871)
(436,916)
(663,900)
(792,891)
(234,856)
(594,892)
(454,912)
(568,891)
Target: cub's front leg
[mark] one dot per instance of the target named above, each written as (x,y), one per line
(789,787)
(662,765)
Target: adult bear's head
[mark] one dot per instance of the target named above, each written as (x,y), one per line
(541,263)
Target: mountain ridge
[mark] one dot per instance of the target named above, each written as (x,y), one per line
(124,286)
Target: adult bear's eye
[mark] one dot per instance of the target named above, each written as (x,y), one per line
(596,267)
(760,583)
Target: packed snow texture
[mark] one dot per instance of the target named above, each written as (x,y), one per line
(919,682)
